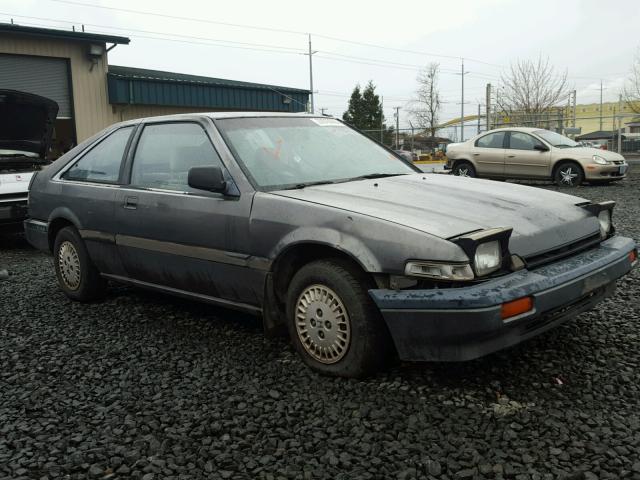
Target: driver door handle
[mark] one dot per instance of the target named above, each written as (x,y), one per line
(130,203)
(511,156)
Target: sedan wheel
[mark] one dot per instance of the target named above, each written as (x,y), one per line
(464,169)
(69,265)
(322,323)
(333,323)
(77,276)
(568,175)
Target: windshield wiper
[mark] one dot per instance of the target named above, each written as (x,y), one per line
(375,175)
(310,184)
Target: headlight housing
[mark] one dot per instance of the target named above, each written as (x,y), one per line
(604,217)
(488,258)
(599,160)
(439,271)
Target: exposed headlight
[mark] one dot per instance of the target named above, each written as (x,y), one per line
(488,258)
(439,271)
(599,160)
(604,217)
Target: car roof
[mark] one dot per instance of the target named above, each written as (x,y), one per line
(515,129)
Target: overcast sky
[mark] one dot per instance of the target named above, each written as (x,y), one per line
(590,39)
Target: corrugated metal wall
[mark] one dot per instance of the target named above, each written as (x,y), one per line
(140,91)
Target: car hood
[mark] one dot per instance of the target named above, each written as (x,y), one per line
(26,122)
(448,206)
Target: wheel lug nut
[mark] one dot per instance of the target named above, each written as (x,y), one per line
(327,325)
(319,313)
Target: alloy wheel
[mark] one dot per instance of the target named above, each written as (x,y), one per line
(322,324)
(69,265)
(568,175)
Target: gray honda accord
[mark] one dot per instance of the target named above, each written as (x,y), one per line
(322,231)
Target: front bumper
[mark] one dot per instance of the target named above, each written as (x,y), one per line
(12,214)
(457,324)
(606,172)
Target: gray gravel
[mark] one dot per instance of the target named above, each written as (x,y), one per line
(150,387)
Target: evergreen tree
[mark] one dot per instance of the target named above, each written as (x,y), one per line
(365,113)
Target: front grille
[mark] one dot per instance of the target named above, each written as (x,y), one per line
(550,256)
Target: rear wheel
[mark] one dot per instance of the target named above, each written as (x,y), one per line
(333,323)
(464,169)
(568,174)
(77,275)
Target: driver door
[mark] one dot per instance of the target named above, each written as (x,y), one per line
(177,237)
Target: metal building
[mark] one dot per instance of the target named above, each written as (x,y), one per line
(71,68)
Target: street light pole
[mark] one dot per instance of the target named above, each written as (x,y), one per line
(397,128)
(600,105)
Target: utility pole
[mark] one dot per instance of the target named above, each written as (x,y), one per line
(479,118)
(488,106)
(620,124)
(382,120)
(397,128)
(574,108)
(412,136)
(462,74)
(311,52)
(600,105)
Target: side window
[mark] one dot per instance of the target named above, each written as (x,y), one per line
(101,163)
(167,151)
(522,141)
(493,140)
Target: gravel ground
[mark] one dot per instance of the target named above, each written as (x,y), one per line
(146,386)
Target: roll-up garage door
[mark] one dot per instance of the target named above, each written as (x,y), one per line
(47,77)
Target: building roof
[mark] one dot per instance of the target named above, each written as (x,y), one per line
(61,34)
(138,86)
(159,75)
(597,135)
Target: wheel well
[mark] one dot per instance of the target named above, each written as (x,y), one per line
(294,258)
(54,227)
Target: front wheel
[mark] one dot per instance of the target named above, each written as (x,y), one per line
(464,169)
(333,323)
(568,174)
(77,276)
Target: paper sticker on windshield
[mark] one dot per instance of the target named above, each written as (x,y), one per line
(327,122)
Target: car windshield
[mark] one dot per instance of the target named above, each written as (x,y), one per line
(294,152)
(555,139)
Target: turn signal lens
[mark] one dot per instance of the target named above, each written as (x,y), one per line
(633,256)
(516,307)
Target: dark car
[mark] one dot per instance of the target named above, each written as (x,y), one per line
(314,226)
(26,126)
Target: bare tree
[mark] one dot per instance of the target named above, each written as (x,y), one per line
(426,106)
(631,91)
(530,89)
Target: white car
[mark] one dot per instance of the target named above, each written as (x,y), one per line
(26,127)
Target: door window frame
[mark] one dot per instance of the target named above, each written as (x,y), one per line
(508,147)
(128,163)
(123,160)
(504,140)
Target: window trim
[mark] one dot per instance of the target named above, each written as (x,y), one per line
(511,132)
(504,140)
(130,159)
(60,176)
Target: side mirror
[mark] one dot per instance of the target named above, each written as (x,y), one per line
(540,147)
(209,178)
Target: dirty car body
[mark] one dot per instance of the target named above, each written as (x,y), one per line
(26,126)
(442,259)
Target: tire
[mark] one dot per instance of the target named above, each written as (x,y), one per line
(568,174)
(354,336)
(464,169)
(78,277)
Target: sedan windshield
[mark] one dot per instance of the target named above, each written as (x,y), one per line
(555,139)
(280,152)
